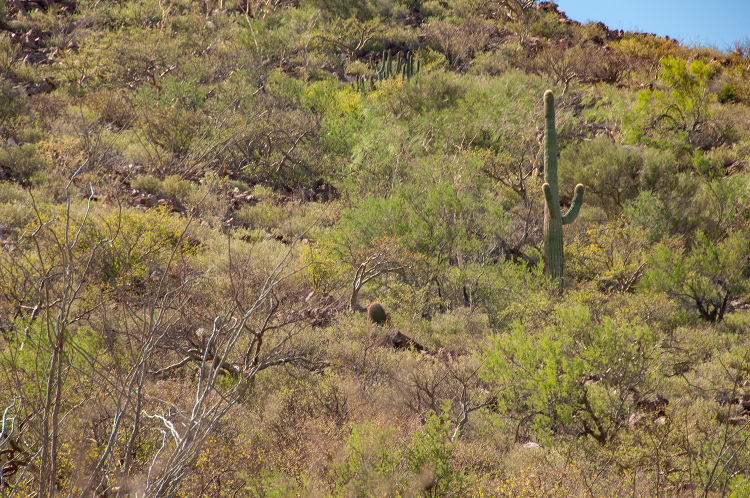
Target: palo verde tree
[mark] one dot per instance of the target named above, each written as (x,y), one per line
(679,109)
(101,325)
(707,277)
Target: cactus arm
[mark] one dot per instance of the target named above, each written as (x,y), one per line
(575,207)
(549,198)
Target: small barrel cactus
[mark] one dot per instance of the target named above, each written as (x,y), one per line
(376,313)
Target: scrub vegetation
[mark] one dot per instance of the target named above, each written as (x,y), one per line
(276,248)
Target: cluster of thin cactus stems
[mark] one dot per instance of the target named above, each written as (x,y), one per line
(389,67)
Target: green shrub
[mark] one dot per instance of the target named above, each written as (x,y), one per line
(432,92)
(171,186)
(21,162)
(707,277)
(430,457)
(372,465)
(678,111)
(648,213)
(614,255)
(12,104)
(542,375)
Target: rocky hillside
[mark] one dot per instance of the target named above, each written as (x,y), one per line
(278,248)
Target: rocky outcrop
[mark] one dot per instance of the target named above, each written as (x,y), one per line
(401,342)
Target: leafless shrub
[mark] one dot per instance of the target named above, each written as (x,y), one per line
(462,42)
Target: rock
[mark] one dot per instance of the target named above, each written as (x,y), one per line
(150,201)
(36,58)
(737,420)
(652,405)
(648,404)
(7,237)
(636,419)
(415,18)
(317,298)
(400,342)
(533,44)
(736,167)
(47,86)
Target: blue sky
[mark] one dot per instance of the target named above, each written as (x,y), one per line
(718,23)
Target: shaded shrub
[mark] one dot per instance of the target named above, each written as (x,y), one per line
(462,42)
(610,172)
(12,104)
(432,92)
(705,278)
(20,162)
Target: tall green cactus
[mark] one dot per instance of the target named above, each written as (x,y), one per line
(553,217)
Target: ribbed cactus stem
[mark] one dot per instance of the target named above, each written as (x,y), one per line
(376,313)
(554,220)
(404,67)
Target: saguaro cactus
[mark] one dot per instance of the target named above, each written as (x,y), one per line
(553,217)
